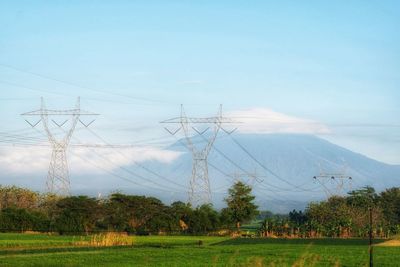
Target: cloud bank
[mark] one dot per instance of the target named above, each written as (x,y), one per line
(36,159)
(267,121)
(27,160)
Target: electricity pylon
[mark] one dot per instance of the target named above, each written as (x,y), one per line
(199,191)
(334,184)
(247,178)
(58,173)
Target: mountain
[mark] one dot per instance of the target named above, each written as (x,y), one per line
(285,164)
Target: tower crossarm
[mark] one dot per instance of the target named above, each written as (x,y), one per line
(208,120)
(50,112)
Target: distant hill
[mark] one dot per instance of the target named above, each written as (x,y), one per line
(294,158)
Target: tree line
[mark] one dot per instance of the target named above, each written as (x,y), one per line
(24,210)
(338,216)
(341,216)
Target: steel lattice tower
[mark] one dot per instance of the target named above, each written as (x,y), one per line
(334,184)
(58,174)
(247,178)
(199,187)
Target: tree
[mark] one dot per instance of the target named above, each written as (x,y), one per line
(15,219)
(183,214)
(390,205)
(298,218)
(240,204)
(137,214)
(329,218)
(363,198)
(204,219)
(16,197)
(76,214)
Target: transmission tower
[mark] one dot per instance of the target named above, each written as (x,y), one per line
(199,191)
(247,178)
(334,184)
(58,174)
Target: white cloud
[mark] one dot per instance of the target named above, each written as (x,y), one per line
(265,121)
(26,160)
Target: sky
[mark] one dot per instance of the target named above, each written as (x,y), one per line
(329,68)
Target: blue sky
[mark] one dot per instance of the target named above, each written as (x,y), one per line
(335,63)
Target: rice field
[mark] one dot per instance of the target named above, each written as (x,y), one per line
(47,250)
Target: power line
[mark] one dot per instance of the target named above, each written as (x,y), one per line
(122,177)
(265,168)
(137,163)
(247,173)
(132,173)
(84,87)
(161,188)
(228,177)
(33,89)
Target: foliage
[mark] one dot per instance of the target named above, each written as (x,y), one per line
(15,219)
(16,197)
(240,205)
(24,210)
(390,204)
(204,219)
(76,215)
(341,216)
(137,214)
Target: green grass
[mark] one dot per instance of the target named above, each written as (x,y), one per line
(42,250)
(20,241)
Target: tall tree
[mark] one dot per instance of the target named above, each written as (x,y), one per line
(365,197)
(390,204)
(241,207)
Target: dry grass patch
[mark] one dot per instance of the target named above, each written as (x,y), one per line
(107,240)
(390,243)
(394,242)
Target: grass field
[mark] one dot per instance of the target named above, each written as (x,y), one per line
(43,250)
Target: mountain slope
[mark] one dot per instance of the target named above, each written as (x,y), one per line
(285,164)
